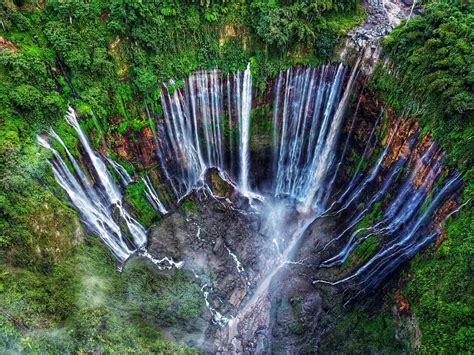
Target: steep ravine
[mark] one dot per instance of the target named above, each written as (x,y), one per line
(285,206)
(347,194)
(303,184)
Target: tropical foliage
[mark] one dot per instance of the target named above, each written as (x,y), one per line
(434,74)
(105,59)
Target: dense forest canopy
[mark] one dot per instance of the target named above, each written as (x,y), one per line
(105,59)
(114,50)
(432,61)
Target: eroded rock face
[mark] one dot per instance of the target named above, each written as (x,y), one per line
(256,303)
(260,271)
(382,17)
(219,244)
(138,148)
(268,270)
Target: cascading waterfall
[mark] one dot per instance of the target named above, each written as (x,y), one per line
(389,204)
(356,175)
(125,177)
(308,114)
(152,196)
(244,130)
(402,229)
(96,202)
(305,131)
(206,124)
(406,243)
(193,129)
(319,181)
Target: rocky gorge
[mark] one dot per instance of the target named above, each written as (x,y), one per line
(254,209)
(266,245)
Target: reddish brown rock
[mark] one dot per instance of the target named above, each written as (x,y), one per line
(138,147)
(402,303)
(120,146)
(147,147)
(444,211)
(400,142)
(5,44)
(424,175)
(441,238)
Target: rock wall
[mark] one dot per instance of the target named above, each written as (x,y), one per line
(257,303)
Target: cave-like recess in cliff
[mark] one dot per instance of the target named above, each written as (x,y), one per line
(342,191)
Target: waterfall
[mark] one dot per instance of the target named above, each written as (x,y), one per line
(193,128)
(120,170)
(97,201)
(404,247)
(152,196)
(244,131)
(104,178)
(307,122)
(402,230)
(319,183)
(309,108)
(356,175)
(206,123)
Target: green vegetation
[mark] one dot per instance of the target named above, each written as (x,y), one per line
(429,76)
(36,229)
(261,127)
(441,291)
(188,205)
(297,327)
(358,332)
(143,210)
(361,253)
(368,246)
(286,26)
(107,59)
(84,305)
(432,58)
(372,217)
(218,185)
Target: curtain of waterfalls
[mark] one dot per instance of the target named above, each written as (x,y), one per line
(207,124)
(96,201)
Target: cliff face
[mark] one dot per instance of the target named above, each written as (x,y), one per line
(282,210)
(139,148)
(408,143)
(370,128)
(256,300)
(270,264)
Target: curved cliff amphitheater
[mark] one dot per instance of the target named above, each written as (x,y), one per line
(321,197)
